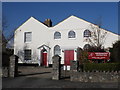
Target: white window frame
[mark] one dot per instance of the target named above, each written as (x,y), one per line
(57,37)
(27,37)
(57,47)
(71,36)
(29,57)
(86,46)
(87,33)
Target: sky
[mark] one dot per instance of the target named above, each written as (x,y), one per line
(17,13)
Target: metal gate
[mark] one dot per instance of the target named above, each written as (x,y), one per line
(64,72)
(65,68)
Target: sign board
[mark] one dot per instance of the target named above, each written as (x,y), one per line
(99,55)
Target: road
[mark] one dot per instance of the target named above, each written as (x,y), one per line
(37,77)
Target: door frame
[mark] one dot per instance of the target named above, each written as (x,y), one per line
(42,57)
(65,57)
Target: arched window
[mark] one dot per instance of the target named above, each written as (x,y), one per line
(57,35)
(87,33)
(87,46)
(57,50)
(71,34)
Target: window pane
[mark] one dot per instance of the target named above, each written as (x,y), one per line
(57,35)
(28,36)
(27,54)
(87,46)
(57,50)
(87,33)
(71,34)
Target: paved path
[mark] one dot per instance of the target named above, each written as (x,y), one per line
(37,77)
(32,71)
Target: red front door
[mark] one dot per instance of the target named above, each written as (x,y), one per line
(44,58)
(69,55)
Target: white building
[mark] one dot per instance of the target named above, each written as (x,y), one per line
(35,42)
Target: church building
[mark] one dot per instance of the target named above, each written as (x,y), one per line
(36,42)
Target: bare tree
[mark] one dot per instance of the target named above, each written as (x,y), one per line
(10,36)
(98,36)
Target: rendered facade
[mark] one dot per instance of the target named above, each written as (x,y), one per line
(37,42)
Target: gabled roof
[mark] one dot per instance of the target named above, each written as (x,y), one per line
(34,20)
(77,18)
(43,46)
(72,16)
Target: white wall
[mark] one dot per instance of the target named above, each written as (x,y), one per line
(42,34)
(39,37)
(111,38)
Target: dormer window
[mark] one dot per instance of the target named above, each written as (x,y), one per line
(87,33)
(57,35)
(71,34)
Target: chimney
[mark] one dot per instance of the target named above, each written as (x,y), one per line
(48,22)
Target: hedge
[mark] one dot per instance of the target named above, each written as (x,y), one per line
(101,67)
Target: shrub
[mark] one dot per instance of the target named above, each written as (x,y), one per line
(115,57)
(101,67)
(83,57)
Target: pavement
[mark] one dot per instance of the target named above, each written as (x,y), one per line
(40,77)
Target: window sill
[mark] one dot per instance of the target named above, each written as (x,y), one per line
(72,38)
(27,42)
(57,39)
(27,60)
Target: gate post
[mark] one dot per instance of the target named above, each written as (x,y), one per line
(74,65)
(56,67)
(13,66)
